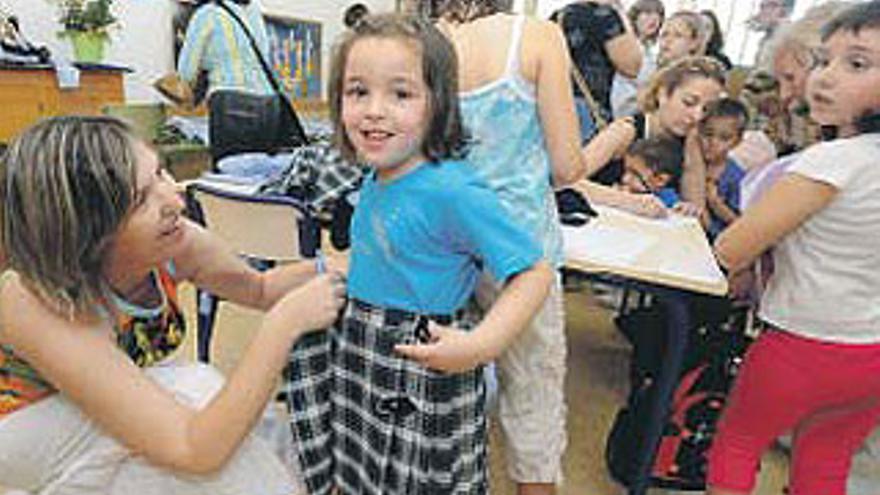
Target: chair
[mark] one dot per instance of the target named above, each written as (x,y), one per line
(263,229)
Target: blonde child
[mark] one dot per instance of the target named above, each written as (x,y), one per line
(681,36)
(817,371)
(407,401)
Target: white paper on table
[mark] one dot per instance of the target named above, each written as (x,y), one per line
(697,268)
(604,245)
(670,221)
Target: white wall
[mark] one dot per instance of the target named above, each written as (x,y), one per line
(143,39)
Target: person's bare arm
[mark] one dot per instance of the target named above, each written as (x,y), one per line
(210,265)
(569,161)
(788,204)
(625,53)
(693,175)
(608,144)
(646,205)
(82,360)
(716,203)
(546,43)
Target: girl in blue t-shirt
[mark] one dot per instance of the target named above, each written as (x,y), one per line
(407,399)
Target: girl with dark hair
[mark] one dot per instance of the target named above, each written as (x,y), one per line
(407,404)
(714,39)
(646,17)
(822,304)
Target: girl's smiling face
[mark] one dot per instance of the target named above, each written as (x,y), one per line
(385,104)
(844,85)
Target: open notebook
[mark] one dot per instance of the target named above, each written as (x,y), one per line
(671,251)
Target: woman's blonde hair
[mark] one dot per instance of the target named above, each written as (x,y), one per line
(669,78)
(692,20)
(69,184)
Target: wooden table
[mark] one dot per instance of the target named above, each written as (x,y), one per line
(30,92)
(670,259)
(670,252)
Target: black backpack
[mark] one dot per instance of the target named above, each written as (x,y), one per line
(712,361)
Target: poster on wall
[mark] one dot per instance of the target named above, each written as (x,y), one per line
(295,55)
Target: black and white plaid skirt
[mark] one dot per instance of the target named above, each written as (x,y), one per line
(370,421)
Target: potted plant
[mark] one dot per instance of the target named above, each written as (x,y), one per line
(87,23)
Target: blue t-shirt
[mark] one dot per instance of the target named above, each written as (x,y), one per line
(417,239)
(668,195)
(728,190)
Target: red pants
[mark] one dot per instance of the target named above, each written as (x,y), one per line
(827,394)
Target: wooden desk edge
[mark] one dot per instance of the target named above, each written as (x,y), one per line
(716,289)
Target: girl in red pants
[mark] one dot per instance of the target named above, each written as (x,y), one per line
(817,372)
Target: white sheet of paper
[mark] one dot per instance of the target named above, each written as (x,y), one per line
(605,245)
(695,268)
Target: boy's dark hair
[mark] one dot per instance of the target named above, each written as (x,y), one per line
(663,155)
(854,19)
(727,107)
(716,38)
(445,136)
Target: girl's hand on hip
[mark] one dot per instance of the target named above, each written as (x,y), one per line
(448,349)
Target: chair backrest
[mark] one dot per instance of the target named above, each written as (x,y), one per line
(266,227)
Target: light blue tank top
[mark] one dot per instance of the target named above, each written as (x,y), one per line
(509,152)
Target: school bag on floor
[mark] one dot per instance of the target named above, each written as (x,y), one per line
(712,361)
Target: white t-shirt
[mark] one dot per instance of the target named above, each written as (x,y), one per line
(826,283)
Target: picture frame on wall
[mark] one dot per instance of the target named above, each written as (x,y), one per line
(295,55)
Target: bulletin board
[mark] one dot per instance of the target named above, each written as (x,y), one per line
(295,55)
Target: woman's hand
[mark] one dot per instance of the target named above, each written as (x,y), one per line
(311,306)
(646,205)
(741,284)
(687,209)
(337,262)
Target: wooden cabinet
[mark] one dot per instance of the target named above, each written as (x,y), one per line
(28,94)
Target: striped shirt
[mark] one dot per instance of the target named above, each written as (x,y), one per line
(216,43)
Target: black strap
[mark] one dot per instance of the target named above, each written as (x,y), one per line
(270,76)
